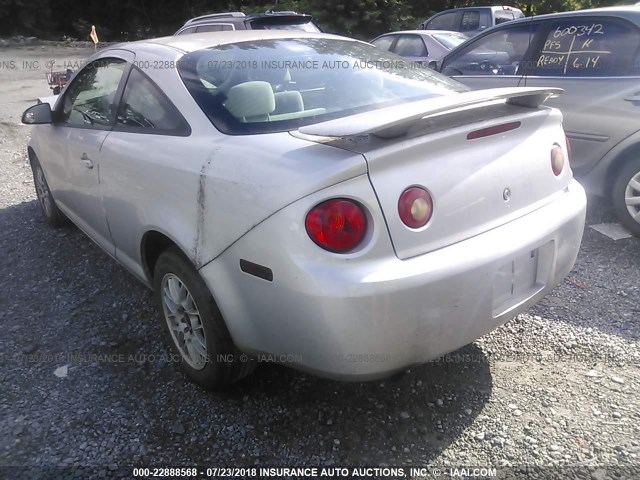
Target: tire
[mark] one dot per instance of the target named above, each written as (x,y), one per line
(198,335)
(626,189)
(56,90)
(50,212)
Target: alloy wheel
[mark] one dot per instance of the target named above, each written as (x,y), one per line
(184,321)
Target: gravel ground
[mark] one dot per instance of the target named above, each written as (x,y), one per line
(83,380)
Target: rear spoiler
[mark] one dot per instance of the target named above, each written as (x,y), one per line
(400,117)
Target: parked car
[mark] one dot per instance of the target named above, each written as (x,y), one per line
(471,20)
(298,198)
(419,45)
(594,55)
(270,20)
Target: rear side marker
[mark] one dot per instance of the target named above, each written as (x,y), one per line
(496,129)
(256,270)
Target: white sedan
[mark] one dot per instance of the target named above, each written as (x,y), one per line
(420,46)
(308,199)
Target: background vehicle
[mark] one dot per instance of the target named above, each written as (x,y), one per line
(419,45)
(341,219)
(57,80)
(594,55)
(470,20)
(216,22)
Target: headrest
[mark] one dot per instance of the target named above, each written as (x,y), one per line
(287,102)
(250,99)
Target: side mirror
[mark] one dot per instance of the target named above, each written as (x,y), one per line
(433,65)
(38,114)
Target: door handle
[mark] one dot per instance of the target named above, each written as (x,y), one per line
(87,161)
(633,98)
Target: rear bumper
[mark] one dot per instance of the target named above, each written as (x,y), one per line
(370,318)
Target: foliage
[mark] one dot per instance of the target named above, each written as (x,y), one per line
(117,20)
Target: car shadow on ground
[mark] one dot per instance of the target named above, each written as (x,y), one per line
(76,302)
(410,417)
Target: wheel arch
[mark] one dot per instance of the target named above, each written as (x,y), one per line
(599,180)
(153,243)
(629,153)
(32,154)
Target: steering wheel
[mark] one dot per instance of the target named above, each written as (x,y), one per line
(488,65)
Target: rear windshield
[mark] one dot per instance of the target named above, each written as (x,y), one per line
(450,40)
(507,15)
(276,85)
(285,23)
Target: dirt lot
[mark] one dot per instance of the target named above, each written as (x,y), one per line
(84,380)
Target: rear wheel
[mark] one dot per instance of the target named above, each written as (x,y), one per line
(626,196)
(194,326)
(52,215)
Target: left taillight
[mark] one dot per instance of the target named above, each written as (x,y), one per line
(337,225)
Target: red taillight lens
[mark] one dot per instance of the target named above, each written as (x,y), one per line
(415,207)
(336,225)
(557,159)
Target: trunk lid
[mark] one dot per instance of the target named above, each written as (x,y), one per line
(476,184)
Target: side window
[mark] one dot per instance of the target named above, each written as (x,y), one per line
(187,31)
(144,108)
(635,66)
(485,19)
(503,16)
(410,46)
(470,21)
(588,48)
(214,28)
(497,53)
(89,102)
(446,21)
(384,42)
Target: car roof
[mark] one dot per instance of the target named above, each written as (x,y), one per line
(482,7)
(629,12)
(422,32)
(198,41)
(221,17)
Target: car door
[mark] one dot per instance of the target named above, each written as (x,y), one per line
(596,60)
(84,117)
(475,21)
(444,21)
(142,165)
(492,59)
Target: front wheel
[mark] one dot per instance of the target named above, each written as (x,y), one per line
(626,196)
(194,326)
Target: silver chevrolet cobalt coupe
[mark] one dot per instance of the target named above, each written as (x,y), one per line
(310,199)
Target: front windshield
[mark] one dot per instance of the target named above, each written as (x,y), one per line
(450,40)
(272,85)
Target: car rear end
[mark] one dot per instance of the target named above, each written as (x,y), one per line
(459,225)
(467,214)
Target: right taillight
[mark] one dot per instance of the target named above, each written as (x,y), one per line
(415,207)
(557,159)
(338,225)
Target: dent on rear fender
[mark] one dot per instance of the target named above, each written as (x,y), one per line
(245,180)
